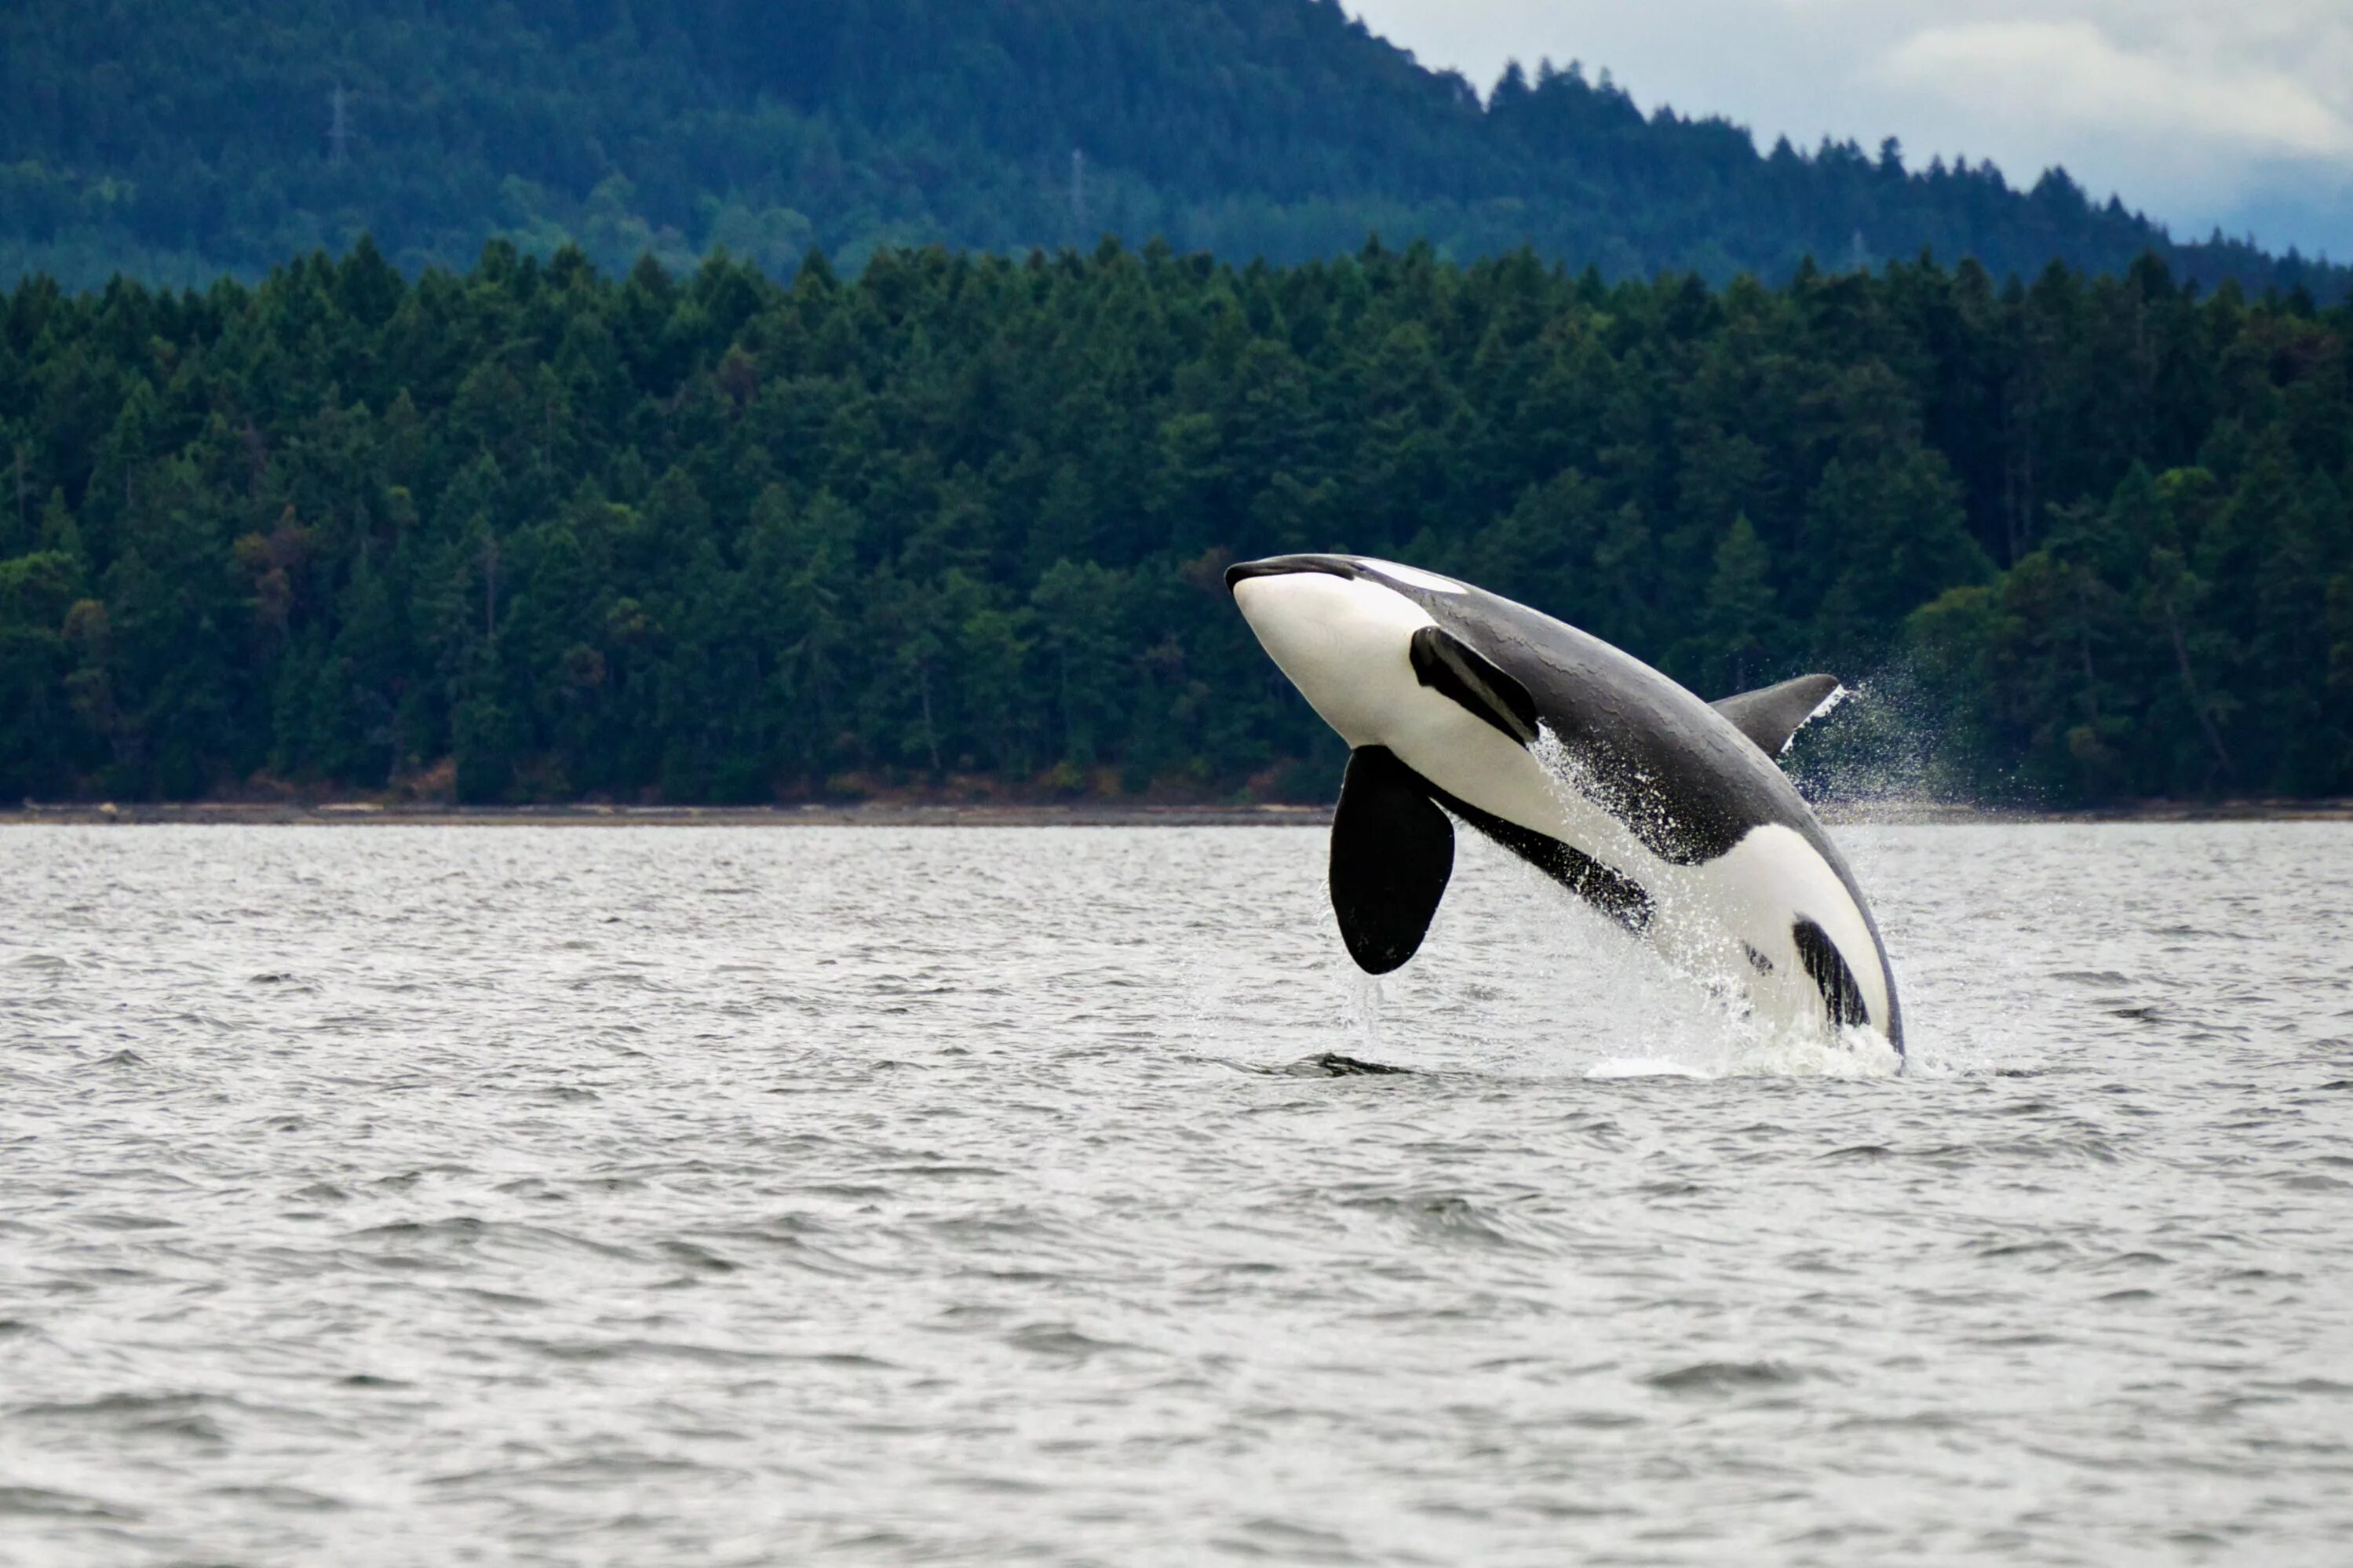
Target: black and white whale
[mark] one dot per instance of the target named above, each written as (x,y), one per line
(1666,813)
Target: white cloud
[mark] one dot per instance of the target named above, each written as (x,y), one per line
(2199,113)
(2070,75)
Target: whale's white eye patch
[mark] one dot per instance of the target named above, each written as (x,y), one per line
(1415,577)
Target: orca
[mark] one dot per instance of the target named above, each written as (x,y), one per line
(1668,814)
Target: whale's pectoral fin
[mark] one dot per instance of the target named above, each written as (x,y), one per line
(1392,851)
(1452,668)
(1772,714)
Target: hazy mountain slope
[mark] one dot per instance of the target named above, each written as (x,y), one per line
(175,141)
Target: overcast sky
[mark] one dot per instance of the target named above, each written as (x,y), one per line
(2196,112)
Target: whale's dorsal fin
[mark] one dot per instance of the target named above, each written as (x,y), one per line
(1452,668)
(1392,851)
(1772,714)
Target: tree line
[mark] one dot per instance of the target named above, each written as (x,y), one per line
(534,532)
(174,141)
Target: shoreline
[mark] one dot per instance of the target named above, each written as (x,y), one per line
(983,814)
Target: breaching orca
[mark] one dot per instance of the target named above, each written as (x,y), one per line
(1666,814)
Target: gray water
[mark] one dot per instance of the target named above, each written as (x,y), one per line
(669,1196)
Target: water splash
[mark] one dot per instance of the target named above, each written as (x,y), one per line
(1878,750)
(1741,1047)
(1713,1030)
(1845,1053)
(1362,1015)
(1633,801)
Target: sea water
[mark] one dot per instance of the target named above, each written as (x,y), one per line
(641,1195)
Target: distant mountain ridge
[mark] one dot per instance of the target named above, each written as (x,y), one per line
(176,142)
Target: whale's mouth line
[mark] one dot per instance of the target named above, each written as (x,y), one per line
(1288,566)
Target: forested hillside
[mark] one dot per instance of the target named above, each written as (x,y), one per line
(175,141)
(534,532)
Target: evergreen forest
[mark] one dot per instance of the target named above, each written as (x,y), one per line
(537,531)
(175,141)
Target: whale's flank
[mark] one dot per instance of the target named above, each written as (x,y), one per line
(1612,892)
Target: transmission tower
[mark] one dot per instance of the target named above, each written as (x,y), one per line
(339,126)
(1079,194)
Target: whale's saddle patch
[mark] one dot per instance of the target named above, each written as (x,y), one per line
(1771,714)
(1451,668)
(1392,852)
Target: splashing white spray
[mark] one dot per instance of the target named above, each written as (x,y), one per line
(1364,1016)
(1723,1037)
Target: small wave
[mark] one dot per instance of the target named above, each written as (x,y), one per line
(1724,1377)
(699,1258)
(1062,1341)
(442,1242)
(1443,1217)
(297,1500)
(2324,1385)
(40,1501)
(638,1349)
(2026,1249)
(187,1417)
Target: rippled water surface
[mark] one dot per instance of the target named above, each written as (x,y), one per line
(669,1195)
